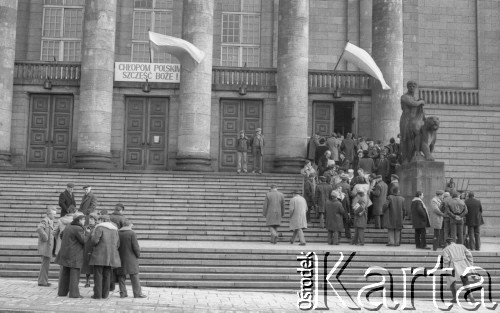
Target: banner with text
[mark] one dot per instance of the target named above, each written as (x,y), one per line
(153,72)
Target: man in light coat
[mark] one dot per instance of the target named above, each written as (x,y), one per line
(88,204)
(45,232)
(436,219)
(457,257)
(273,211)
(105,255)
(298,220)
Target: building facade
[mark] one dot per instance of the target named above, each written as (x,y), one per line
(269,64)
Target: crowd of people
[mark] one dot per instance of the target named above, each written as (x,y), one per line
(86,242)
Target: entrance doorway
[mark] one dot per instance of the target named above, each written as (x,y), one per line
(237,115)
(331,117)
(146,133)
(50,123)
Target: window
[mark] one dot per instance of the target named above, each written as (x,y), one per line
(62,29)
(240,33)
(154,15)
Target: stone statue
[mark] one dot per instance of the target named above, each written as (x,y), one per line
(415,137)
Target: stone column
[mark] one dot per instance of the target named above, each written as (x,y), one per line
(193,147)
(365,25)
(291,110)
(387,51)
(8,18)
(96,86)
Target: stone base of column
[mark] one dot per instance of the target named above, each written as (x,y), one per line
(5,159)
(197,163)
(288,165)
(93,161)
(425,176)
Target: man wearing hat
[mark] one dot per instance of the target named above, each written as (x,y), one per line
(394,184)
(383,167)
(343,163)
(257,144)
(273,211)
(45,232)
(88,204)
(321,195)
(334,212)
(298,220)
(117,215)
(67,198)
(457,257)
(242,152)
(436,219)
(379,193)
(70,258)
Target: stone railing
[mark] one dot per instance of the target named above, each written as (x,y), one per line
(343,80)
(449,96)
(40,70)
(264,77)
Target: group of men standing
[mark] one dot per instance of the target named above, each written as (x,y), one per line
(84,241)
(256,146)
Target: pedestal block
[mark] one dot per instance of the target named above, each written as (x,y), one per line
(422,176)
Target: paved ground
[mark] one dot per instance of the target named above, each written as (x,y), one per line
(26,296)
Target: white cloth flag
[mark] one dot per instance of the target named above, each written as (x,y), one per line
(364,61)
(175,46)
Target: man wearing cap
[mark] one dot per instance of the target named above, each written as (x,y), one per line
(298,220)
(105,255)
(394,184)
(473,220)
(88,204)
(334,213)
(117,215)
(45,232)
(379,193)
(456,210)
(322,193)
(458,258)
(67,198)
(274,210)
(70,258)
(242,152)
(257,144)
(436,219)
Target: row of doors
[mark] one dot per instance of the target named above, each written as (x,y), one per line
(50,129)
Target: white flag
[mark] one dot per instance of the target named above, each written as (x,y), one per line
(178,47)
(364,61)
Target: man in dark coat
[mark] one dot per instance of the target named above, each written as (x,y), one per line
(420,220)
(117,215)
(379,194)
(322,193)
(70,258)
(473,220)
(309,195)
(129,254)
(456,210)
(344,163)
(88,204)
(366,163)
(393,217)
(334,213)
(360,213)
(257,145)
(347,146)
(66,198)
(383,168)
(105,255)
(274,210)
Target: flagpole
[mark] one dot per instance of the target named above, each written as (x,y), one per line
(150,56)
(340,56)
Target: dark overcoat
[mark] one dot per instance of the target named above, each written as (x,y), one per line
(394,212)
(474,215)
(419,216)
(117,218)
(309,193)
(129,252)
(379,194)
(87,252)
(106,243)
(88,204)
(274,208)
(66,199)
(71,252)
(334,215)
(347,146)
(322,194)
(360,213)
(367,165)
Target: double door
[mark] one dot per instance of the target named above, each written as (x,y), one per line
(331,117)
(237,115)
(146,133)
(50,123)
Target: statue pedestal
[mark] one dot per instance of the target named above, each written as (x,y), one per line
(425,176)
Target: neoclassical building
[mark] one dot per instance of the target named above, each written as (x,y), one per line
(74,94)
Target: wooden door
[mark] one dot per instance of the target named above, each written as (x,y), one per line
(323,118)
(146,133)
(237,115)
(49,143)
